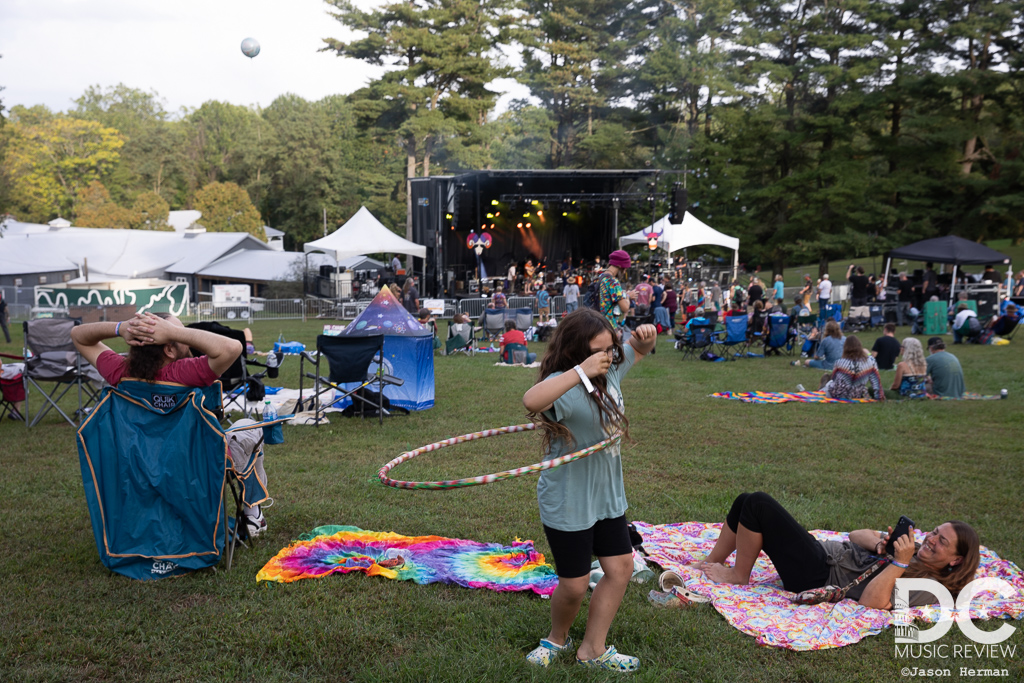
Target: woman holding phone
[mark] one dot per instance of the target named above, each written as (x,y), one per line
(756,522)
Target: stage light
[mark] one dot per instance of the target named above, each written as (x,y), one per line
(526,215)
(494,202)
(453,227)
(529,225)
(564,213)
(535,202)
(490,215)
(540,215)
(492,226)
(483,227)
(497,213)
(519,225)
(448,216)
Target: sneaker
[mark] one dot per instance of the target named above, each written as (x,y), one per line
(255,524)
(545,653)
(611,660)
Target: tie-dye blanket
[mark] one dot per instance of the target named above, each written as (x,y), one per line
(763,609)
(423,559)
(820,397)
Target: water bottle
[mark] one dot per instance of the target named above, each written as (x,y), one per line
(269,412)
(1002,393)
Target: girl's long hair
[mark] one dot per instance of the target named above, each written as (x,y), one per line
(145,361)
(853,349)
(570,346)
(913,356)
(953,578)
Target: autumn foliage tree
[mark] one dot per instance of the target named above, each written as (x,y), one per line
(226,207)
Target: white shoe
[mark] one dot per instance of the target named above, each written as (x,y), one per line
(255,524)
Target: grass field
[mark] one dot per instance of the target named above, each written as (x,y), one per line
(65,617)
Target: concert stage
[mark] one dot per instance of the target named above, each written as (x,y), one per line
(545,216)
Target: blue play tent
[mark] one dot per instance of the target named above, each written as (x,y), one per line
(408,351)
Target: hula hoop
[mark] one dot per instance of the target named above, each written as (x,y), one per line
(486,478)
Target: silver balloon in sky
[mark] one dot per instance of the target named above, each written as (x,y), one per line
(250,47)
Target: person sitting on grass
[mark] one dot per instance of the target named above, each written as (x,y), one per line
(830,348)
(886,348)
(855,374)
(911,380)
(950,555)
(945,375)
(1002,325)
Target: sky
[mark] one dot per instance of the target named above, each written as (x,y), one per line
(187,51)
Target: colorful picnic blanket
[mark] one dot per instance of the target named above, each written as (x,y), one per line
(423,559)
(763,609)
(819,397)
(785,397)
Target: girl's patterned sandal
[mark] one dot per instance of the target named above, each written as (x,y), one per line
(611,660)
(546,652)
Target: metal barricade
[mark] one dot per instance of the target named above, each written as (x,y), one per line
(557,305)
(351,309)
(523,302)
(474,308)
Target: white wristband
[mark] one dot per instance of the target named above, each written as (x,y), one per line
(583,378)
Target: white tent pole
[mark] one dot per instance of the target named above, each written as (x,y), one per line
(885,280)
(952,286)
(735,263)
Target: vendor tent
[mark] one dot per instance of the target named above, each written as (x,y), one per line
(948,249)
(363,234)
(691,232)
(408,350)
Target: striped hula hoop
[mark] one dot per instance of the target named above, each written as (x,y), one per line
(486,478)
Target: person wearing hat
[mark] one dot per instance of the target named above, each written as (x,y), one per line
(612,301)
(945,376)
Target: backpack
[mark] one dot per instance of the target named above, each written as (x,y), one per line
(973,326)
(592,297)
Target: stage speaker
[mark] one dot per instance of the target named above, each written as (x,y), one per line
(677,207)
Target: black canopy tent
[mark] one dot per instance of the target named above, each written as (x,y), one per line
(948,249)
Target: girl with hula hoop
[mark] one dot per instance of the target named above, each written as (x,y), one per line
(578,403)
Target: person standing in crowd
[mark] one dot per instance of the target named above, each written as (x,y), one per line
(886,348)
(571,292)
(498,300)
(755,292)
(807,291)
(824,292)
(780,290)
(543,304)
(4,316)
(671,301)
(929,283)
(858,286)
(716,296)
(411,296)
(945,375)
(528,270)
(644,292)
(510,278)
(612,301)
(396,264)
(658,307)
(904,297)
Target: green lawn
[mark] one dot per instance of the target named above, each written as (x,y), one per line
(65,617)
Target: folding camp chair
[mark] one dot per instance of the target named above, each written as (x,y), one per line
(830,312)
(522,316)
(493,324)
(460,339)
(52,357)
(779,339)
(12,386)
(240,386)
(701,338)
(877,317)
(735,335)
(348,362)
(156,470)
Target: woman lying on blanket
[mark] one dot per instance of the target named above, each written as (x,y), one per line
(758,522)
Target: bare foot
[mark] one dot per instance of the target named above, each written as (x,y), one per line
(720,573)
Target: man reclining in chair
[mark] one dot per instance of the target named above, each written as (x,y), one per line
(159,351)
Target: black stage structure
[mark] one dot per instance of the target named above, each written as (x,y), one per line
(545,216)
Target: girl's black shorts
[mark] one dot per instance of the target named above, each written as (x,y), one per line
(572,550)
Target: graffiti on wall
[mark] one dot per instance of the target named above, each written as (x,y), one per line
(171,298)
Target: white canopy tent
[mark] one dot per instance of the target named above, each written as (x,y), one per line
(363,234)
(691,232)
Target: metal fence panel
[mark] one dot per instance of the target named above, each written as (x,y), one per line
(557,305)
(474,308)
(523,302)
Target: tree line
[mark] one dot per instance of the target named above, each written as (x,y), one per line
(811,129)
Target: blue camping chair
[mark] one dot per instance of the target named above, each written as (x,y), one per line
(735,335)
(155,467)
(700,338)
(877,315)
(830,312)
(779,339)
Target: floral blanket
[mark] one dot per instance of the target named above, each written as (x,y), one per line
(763,609)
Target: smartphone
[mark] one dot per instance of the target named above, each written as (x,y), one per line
(902,528)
